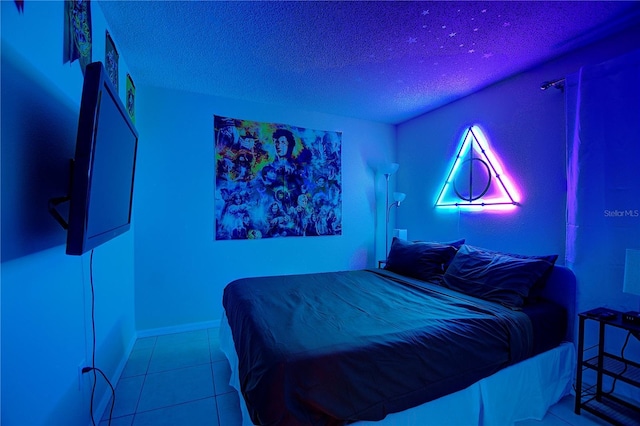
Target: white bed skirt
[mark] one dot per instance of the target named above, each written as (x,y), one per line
(519,392)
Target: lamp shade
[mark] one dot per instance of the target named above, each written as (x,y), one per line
(389,169)
(632,272)
(399,197)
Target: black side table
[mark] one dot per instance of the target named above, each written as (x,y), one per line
(591,397)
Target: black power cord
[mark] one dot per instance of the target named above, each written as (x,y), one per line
(624,370)
(93,352)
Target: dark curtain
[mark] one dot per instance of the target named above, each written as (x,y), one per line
(603,179)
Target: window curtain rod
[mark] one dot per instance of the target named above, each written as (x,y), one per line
(558,84)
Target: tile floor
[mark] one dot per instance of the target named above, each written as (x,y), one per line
(182,380)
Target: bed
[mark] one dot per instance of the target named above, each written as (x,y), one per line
(404,343)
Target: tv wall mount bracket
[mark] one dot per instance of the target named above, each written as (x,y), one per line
(56,201)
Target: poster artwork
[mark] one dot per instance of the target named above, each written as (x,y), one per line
(77,32)
(275,180)
(111,58)
(130,99)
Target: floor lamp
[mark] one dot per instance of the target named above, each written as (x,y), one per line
(398,197)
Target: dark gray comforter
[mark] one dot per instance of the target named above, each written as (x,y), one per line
(332,348)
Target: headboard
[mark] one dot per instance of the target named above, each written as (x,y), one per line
(561,288)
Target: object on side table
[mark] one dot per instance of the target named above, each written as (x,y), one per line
(602,314)
(631,283)
(631,317)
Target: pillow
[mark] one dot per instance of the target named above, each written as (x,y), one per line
(536,290)
(457,244)
(498,277)
(421,260)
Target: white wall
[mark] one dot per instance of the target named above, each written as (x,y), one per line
(526,128)
(46,298)
(513,116)
(180,269)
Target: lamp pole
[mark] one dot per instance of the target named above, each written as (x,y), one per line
(386,225)
(388,171)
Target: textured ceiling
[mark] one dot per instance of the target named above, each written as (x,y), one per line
(384,61)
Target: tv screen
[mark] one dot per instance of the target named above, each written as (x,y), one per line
(103,168)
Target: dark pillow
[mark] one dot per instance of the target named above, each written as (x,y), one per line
(421,260)
(498,277)
(457,244)
(538,286)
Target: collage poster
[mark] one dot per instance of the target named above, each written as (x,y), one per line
(111,58)
(275,180)
(77,32)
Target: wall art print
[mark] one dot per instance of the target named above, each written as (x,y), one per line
(111,58)
(131,98)
(276,180)
(77,32)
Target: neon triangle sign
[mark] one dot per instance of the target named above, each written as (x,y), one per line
(476,179)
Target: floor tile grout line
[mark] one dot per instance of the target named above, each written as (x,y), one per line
(144,380)
(178,368)
(172,405)
(218,412)
(215,392)
(210,362)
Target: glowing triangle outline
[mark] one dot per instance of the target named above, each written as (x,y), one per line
(505,199)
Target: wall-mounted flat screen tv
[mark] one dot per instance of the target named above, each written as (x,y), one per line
(103,168)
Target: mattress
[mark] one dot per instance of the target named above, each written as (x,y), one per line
(359,345)
(523,391)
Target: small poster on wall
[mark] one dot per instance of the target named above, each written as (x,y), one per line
(111,60)
(131,97)
(276,180)
(77,32)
